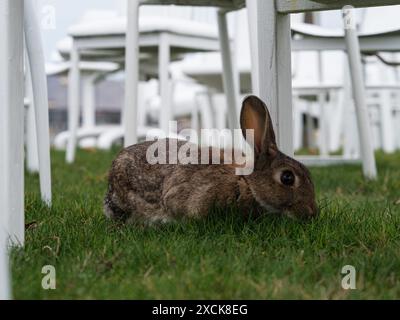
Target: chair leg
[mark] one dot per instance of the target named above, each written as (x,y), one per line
(324,141)
(88,107)
(89,101)
(230,87)
(387,128)
(40,96)
(164,60)
(274,70)
(4,267)
(129,116)
(73,104)
(252,20)
(364,128)
(32,157)
(11,121)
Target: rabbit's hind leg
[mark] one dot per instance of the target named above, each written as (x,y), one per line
(147,212)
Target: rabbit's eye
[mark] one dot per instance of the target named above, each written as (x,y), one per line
(287,178)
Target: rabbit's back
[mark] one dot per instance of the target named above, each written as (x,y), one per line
(139,190)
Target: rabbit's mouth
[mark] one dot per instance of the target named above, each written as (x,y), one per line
(302,213)
(269,208)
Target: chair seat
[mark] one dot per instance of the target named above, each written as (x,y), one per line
(311,30)
(234,4)
(146,25)
(63,67)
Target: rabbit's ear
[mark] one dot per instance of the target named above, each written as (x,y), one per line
(255,116)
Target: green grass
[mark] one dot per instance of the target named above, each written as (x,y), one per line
(221,257)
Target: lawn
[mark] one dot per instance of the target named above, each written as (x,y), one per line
(221,257)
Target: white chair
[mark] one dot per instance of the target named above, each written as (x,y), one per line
(18,16)
(5,292)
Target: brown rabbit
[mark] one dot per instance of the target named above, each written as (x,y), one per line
(142,192)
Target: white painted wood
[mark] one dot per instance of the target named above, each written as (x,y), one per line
(131,74)
(5,291)
(32,156)
(40,96)
(387,128)
(351,148)
(296,6)
(324,141)
(230,86)
(89,100)
(274,76)
(365,135)
(73,104)
(284,75)
(387,105)
(89,81)
(217,119)
(310,128)
(146,93)
(164,60)
(11,114)
(317,161)
(298,125)
(323,119)
(227,4)
(253,38)
(12,120)
(236,49)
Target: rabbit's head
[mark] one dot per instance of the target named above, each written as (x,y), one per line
(278,182)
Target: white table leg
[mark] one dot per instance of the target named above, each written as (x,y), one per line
(164,60)
(32,156)
(274,76)
(364,128)
(73,104)
(89,106)
(40,96)
(89,100)
(351,148)
(387,121)
(230,87)
(324,141)
(12,120)
(298,128)
(309,128)
(129,114)
(323,105)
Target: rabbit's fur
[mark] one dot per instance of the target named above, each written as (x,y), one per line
(142,192)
